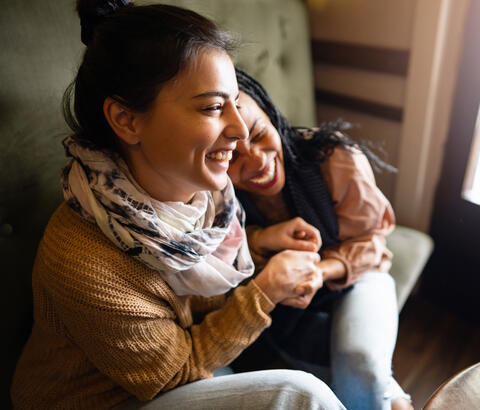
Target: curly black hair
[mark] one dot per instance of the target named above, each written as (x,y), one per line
(302,144)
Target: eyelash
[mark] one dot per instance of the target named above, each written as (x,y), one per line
(258,136)
(218,107)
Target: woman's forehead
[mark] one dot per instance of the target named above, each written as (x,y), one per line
(250,111)
(211,72)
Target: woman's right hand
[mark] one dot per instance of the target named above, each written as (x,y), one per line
(287,274)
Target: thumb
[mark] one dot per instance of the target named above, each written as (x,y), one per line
(299,234)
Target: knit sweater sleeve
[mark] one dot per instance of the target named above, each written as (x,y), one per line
(129,323)
(364,215)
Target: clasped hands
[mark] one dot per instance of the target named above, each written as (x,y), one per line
(294,274)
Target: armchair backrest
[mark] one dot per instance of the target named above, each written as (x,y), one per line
(41,50)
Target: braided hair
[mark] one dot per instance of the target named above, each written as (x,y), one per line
(300,144)
(305,195)
(305,192)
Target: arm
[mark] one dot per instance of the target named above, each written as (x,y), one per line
(136,331)
(140,334)
(364,217)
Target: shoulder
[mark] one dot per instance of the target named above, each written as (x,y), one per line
(77,265)
(77,241)
(347,162)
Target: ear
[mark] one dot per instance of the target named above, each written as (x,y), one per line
(123,121)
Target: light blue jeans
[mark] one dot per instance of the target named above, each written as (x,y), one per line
(362,341)
(364,333)
(267,389)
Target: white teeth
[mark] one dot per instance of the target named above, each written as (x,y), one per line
(221,155)
(267,176)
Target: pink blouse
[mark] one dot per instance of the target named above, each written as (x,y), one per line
(364,215)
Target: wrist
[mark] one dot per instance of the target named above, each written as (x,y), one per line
(332,269)
(262,282)
(256,243)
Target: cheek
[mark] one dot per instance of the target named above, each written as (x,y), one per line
(234,173)
(181,144)
(277,143)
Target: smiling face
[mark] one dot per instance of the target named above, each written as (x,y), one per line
(257,164)
(187,138)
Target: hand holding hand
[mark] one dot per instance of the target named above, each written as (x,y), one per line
(289,274)
(306,291)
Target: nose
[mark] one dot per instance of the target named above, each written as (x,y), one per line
(235,127)
(259,158)
(255,159)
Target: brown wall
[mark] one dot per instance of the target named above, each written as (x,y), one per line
(361,51)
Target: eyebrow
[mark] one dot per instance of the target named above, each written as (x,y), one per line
(221,94)
(253,126)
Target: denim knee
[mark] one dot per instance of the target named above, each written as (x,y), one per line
(364,366)
(360,382)
(305,391)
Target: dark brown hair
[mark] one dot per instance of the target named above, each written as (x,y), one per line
(131,51)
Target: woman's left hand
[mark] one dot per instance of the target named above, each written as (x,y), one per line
(294,234)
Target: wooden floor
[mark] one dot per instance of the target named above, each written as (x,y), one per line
(432,345)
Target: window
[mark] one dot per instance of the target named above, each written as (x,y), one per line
(471,183)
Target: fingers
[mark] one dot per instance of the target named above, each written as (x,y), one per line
(308,233)
(304,241)
(299,302)
(300,234)
(302,257)
(303,289)
(303,245)
(317,281)
(314,283)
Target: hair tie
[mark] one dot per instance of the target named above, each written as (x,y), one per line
(90,19)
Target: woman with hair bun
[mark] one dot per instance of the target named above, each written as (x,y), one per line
(137,281)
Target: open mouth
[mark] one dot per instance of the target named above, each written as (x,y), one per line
(220,155)
(267,177)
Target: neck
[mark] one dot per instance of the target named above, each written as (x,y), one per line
(158,187)
(266,199)
(272,207)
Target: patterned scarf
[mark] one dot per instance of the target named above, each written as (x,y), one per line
(184,243)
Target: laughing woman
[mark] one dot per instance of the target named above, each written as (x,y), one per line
(135,283)
(306,188)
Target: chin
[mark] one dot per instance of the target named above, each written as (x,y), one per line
(216,184)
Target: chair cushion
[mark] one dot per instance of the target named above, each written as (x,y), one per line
(411,250)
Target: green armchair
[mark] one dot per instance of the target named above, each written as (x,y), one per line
(40,50)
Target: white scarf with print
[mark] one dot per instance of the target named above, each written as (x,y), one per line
(177,240)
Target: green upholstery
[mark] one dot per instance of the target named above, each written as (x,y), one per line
(40,52)
(411,250)
(275,47)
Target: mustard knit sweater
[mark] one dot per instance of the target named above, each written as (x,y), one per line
(106,327)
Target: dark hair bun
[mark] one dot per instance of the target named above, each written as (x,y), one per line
(93,12)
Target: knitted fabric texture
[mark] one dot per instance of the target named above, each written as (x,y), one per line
(178,240)
(106,327)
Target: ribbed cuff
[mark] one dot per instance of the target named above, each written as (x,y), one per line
(264,301)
